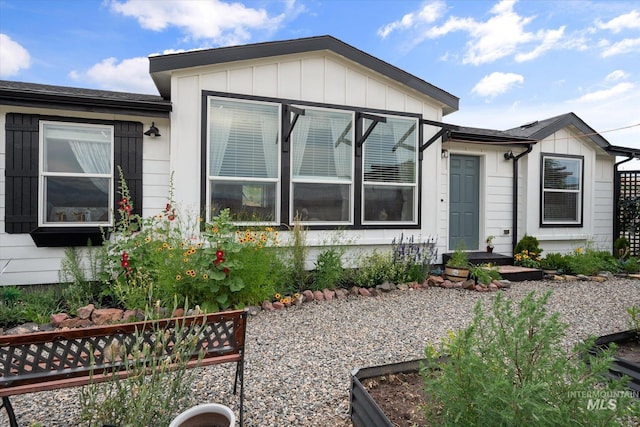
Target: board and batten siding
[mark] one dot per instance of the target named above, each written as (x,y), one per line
(597,215)
(318,77)
(27,264)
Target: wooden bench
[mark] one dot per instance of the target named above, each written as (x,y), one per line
(51,360)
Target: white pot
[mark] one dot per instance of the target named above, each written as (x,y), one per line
(206,415)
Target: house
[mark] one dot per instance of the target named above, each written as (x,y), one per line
(311,128)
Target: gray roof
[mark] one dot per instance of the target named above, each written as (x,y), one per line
(72,98)
(160,67)
(488,136)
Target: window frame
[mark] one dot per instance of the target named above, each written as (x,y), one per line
(208,178)
(288,123)
(43,175)
(580,192)
(309,179)
(415,185)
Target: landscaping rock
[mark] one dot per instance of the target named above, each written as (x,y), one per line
(26,328)
(278,305)
(308,296)
(469,285)
(386,287)
(598,278)
(570,278)
(435,280)
(318,296)
(341,294)
(267,306)
(364,292)
(297,300)
(402,286)
(582,277)
(85,312)
(75,322)
(58,318)
(178,312)
(328,294)
(103,316)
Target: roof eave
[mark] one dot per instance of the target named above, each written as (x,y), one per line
(84,103)
(160,67)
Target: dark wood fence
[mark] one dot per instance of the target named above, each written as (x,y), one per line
(627,220)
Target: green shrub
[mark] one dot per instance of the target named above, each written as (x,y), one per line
(484,273)
(375,268)
(508,368)
(81,274)
(554,261)
(529,244)
(630,265)
(328,272)
(589,261)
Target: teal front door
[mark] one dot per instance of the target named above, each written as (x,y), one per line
(464,201)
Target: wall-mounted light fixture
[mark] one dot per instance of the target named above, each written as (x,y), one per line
(444,153)
(509,155)
(153,130)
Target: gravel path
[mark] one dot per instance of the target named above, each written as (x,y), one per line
(298,360)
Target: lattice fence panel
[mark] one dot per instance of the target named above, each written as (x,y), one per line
(628,209)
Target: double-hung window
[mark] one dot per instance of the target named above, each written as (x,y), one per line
(562,180)
(76,174)
(244,159)
(390,173)
(322,167)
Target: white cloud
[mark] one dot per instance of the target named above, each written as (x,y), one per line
(549,39)
(629,20)
(604,94)
(496,83)
(14,57)
(617,75)
(429,13)
(500,36)
(621,47)
(214,20)
(130,75)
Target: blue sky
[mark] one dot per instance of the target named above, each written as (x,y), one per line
(509,62)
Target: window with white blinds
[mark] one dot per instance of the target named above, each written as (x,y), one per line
(390,177)
(561,190)
(322,166)
(244,159)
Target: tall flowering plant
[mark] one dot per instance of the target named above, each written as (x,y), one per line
(167,256)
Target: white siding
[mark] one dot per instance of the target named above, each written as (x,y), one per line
(28,264)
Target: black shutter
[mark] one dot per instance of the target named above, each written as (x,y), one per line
(128,156)
(21,202)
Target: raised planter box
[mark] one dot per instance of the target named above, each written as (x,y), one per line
(621,366)
(364,411)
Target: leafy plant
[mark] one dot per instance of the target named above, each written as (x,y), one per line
(621,248)
(554,261)
(630,265)
(412,259)
(81,275)
(634,318)
(158,384)
(527,259)
(10,295)
(589,261)
(459,258)
(528,243)
(509,368)
(375,268)
(484,273)
(328,270)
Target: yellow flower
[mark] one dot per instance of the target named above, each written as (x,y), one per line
(147,239)
(165,245)
(159,249)
(199,244)
(579,250)
(277,296)
(296,295)
(185,259)
(205,276)
(182,244)
(178,277)
(215,229)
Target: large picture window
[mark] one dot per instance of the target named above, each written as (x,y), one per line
(390,175)
(561,190)
(76,174)
(244,159)
(273,162)
(322,167)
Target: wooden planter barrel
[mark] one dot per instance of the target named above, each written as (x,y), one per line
(456,274)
